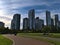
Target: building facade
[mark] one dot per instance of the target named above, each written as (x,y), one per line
(15,23)
(58,24)
(52,22)
(48,18)
(12,24)
(56,19)
(25,23)
(39,23)
(2,24)
(31,16)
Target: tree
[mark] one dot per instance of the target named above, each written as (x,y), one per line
(46,30)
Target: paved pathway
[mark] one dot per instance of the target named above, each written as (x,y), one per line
(25,41)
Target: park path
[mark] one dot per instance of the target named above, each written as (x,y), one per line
(25,41)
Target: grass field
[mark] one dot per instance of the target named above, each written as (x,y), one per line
(54,35)
(40,35)
(5,41)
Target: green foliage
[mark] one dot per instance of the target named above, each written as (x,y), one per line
(46,30)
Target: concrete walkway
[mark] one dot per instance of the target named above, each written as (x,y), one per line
(25,41)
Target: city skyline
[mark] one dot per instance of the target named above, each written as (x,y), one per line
(32,22)
(9,8)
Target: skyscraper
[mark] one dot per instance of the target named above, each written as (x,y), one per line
(31,16)
(56,19)
(48,18)
(1,24)
(25,23)
(58,24)
(39,23)
(16,22)
(12,24)
(52,22)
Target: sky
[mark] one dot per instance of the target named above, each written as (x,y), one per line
(10,7)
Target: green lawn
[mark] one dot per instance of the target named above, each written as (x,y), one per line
(54,35)
(5,41)
(39,37)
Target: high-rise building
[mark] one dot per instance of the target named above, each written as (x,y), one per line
(56,19)
(25,23)
(16,22)
(39,23)
(1,24)
(48,18)
(12,24)
(52,22)
(31,16)
(58,24)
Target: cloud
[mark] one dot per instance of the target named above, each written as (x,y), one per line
(9,7)
(6,21)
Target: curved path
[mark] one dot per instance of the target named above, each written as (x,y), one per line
(25,41)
